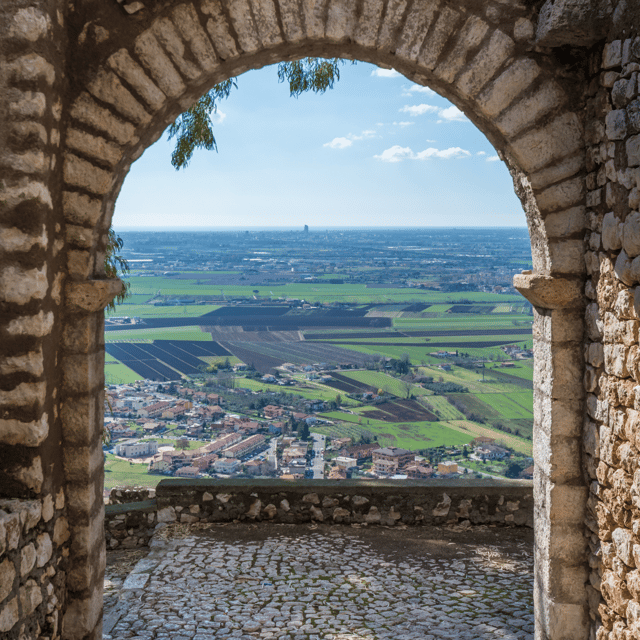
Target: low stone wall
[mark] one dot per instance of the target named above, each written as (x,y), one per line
(125,495)
(32,567)
(360,502)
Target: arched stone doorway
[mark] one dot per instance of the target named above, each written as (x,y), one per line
(131,69)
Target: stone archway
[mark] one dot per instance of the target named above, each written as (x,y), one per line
(131,70)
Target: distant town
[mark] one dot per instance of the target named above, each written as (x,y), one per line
(339,354)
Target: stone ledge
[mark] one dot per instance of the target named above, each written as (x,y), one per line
(548,292)
(91,295)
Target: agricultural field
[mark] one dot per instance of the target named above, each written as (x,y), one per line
(165,359)
(251,324)
(134,309)
(159,333)
(389,384)
(413,436)
(305,389)
(316,292)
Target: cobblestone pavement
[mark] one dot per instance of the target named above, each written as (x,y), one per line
(333,583)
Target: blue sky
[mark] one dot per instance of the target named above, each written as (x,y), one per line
(377,150)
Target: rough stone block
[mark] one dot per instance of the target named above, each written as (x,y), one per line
(633,150)
(88,112)
(107,87)
(242,22)
(561,196)
(468,37)
(83,373)
(81,616)
(20,286)
(29,434)
(219,30)
(411,38)
(486,63)
(616,124)
(444,26)
(94,147)
(560,138)
(81,463)
(83,174)
(9,615)
(526,111)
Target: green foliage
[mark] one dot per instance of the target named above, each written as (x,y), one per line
(310,74)
(115,266)
(193,129)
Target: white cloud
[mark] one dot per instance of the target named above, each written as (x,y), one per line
(418,109)
(398,153)
(493,159)
(367,133)
(217,117)
(338,143)
(447,154)
(384,73)
(343,143)
(403,124)
(481,153)
(395,154)
(452,114)
(416,88)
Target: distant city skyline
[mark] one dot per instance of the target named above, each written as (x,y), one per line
(376,149)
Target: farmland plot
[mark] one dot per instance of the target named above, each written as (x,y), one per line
(377,380)
(164,359)
(266,356)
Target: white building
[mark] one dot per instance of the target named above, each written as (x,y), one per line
(226,465)
(136,449)
(344,462)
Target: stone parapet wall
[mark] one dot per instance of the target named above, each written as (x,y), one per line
(418,503)
(125,495)
(33,555)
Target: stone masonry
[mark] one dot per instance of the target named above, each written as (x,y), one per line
(87,86)
(418,503)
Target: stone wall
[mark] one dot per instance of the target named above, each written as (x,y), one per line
(611,432)
(33,534)
(417,503)
(123,495)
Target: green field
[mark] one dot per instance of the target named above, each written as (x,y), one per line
(161,333)
(117,373)
(308,390)
(385,382)
(152,311)
(413,436)
(120,472)
(314,292)
(513,406)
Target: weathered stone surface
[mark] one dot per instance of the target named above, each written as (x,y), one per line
(548,292)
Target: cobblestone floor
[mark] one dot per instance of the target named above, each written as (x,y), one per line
(333,583)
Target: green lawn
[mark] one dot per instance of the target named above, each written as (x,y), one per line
(118,373)
(120,472)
